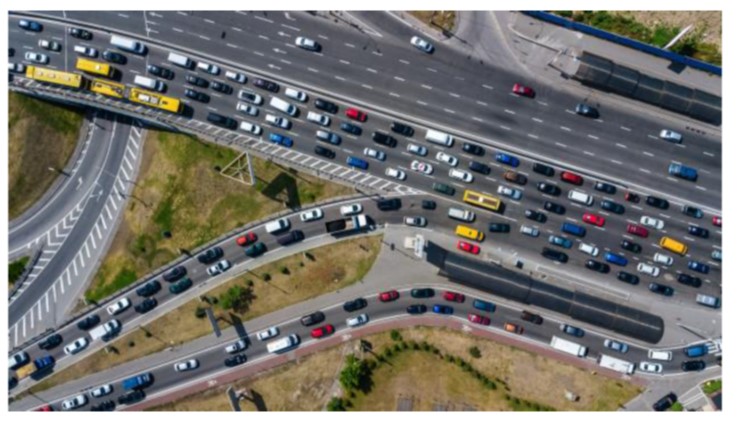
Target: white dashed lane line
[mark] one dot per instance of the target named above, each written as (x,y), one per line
(537,120)
(564,128)
(618,144)
(487,87)
(625,128)
(509,111)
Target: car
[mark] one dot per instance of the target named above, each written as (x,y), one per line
(515,177)
(446,158)
(650,367)
(571,330)
(131,397)
(146,305)
(656,202)
(395,173)
(389,296)
(549,189)
(415,221)
(631,197)
(267,334)
(560,241)
(461,175)
(536,215)
(330,137)
(101,391)
(159,71)
(326,106)
(421,167)
(196,81)
(246,239)
(486,306)
(389,204)
(350,128)
(611,206)
(698,231)
(422,44)
(355,304)
(499,227)
(185,283)
(717,221)
(104,406)
(350,209)
(479,167)
(571,177)
(30,25)
(509,192)
(279,122)
(472,148)
(665,402)
(662,259)
(279,139)
(317,118)
(671,136)
(593,219)
(661,289)
(529,230)
(222,266)
(696,365)
(235,360)
(266,85)
(637,230)
(467,247)
(210,255)
(507,159)
(443,188)
(453,296)
(76,346)
(698,267)
(522,90)
(631,246)
(118,306)
(692,211)
(187,365)
(531,317)
(306,43)
(50,45)
(689,280)
(555,255)
(618,346)
(324,152)
(355,321)
(313,318)
(79,33)
(682,171)
(401,128)
(383,139)
(696,350)
(589,249)
(196,95)
(513,328)
(425,292)
(442,309)
(311,215)
(428,204)
(356,114)
(17,67)
(543,169)
(627,277)
(86,51)
(88,322)
(717,255)
(251,97)
(605,187)
(75,402)
(236,77)
(477,318)
(597,266)
(554,207)
(586,110)
(652,222)
(416,309)
(37,58)
(50,342)
(236,346)
(417,150)
(221,87)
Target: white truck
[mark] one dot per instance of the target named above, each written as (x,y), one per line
(285,343)
(127,44)
(616,364)
(104,330)
(569,347)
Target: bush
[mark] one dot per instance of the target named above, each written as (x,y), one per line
(336,404)
(398,348)
(388,351)
(131,343)
(266,277)
(414,345)
(200,313)
(15,269)
(474,352)
(284,270)
(450,358)
(395,335)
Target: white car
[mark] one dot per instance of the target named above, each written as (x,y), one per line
(36,58)
(76,346)
(357,321)
(663,259)
(247,109)
(86,51)
(251,128)
(75,402)
(395,173)
(446,158)
(296,94)
(650,367)
(422,44)
(16,67)
(251,97)
(461,175)
(529,230)
(322,120)
(222,266)
(101,391)
(374,154)
(417,149)
(352,209)
(652,222)
(50,45)
(236,347)
(236,76)
(648,269)
(415,221)
(277,121)
(510,192)
(589,249)
(187,365)
(421,167)
(118,306)
(306,43)
(207,67)
(268,333)
(311,215)
(671,136)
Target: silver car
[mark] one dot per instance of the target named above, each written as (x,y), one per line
(422,44)
(671,136)
(75,402)
(415,221)
(219,267)
(101,391)
(36,58)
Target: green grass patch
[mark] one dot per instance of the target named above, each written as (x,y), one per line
(124,278)
(677,407)
(712,386)
(16,268)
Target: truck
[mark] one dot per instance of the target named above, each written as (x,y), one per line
(35,367)
(137,382)
(107,329)
(569,347)
(285,343)
(347,225)
(616,364)
(126,44)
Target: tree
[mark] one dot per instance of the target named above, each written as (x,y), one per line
(336,404)
(352,373)
(237,298)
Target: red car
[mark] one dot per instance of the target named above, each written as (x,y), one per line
(355,114)
(511,327)
(717,221)
(571,177)
(523,91)
(631,197)
(477,318)
(637,230)
(454,296)
(389,296)
(246,239)
(322,331)
(593,219)
(466,246)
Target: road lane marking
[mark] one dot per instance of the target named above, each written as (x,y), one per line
(625,128)
(397,78)
(565,128)
(394,94)
(421,102)
(505,127)
(431,70)
(646,171)
(618,144)
(487,87)
(455,95)
(426,86)
(560,144)
(482,103)
(647,154)
(617,162)
(593,137)
(589,154)
(367,86)
(533,136)
(178,30)
(509,111)
(537,120)
(708,154)
(404,61)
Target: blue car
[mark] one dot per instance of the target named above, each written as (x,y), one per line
(572,330)
(696,350)
(443,309)
(281,139)
(357,163)
(573,229)
(350,128)
(698,267)
(560,241)
(484,305)
(683,171)
(616,259)
(30,25)
(507,159)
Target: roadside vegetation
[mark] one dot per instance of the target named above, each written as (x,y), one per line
(440,20)
(16,268)
(41,139)
(712,386)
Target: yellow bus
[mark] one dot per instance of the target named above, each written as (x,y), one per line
(108,88)
(482,200)
(469,233)
(155,100)
(94,67)
(672,245)
(72,80)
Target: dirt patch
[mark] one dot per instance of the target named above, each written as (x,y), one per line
(439,20)
(709,21)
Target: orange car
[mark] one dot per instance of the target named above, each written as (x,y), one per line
(511,327)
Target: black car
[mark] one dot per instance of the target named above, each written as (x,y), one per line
(131,397)
(611,206)
(88,322)
(631,246)
(416,309)
(12,382)
(554,207)
(696,365)
(175,274)
(147,305)
(605,187)
(221,120)
(549,189)
(536,215)
(324,152)
(428,205)
(692,211)
(499,227)
(326,106)
(698,231)
(313,319)
(266,85)
(196,81)
(471,148)
(210,255)
(79,33)
(355,304)
(383,139)
(558,256)
(196,95)
(543,169)
(114,57)
(422,293)
(586,111)
(479,167)
(597,266)
(661,289)
(389,204)
(350,128)
(220,87)
(183,284)
(627,277)
(656,202)
(104,406)
(531,317)
(159,71)
(689,280)
(50,342)
(665,402)
(235,360)
(402,129)
(149,288)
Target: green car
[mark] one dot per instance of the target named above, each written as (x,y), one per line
(181,285)
(443,188)
(255,249)
(422,293)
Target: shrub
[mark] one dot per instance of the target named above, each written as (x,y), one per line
(395,335)
(266,277)
(388,351)
(336,404)
(474,352)
(200,313)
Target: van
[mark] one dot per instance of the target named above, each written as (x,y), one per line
(573,229)
(291,237)
(461,214)
(283,106)
(149,83)
(660,355)
(126,44)
(672,245)
(283,344)
(276,226)
(440,138)
(181,60)
(484,306)
(357,163)
(582,198)
(469,233)
(707,300)
(207,67)
(616,259)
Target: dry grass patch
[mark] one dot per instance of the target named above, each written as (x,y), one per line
(440,20)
